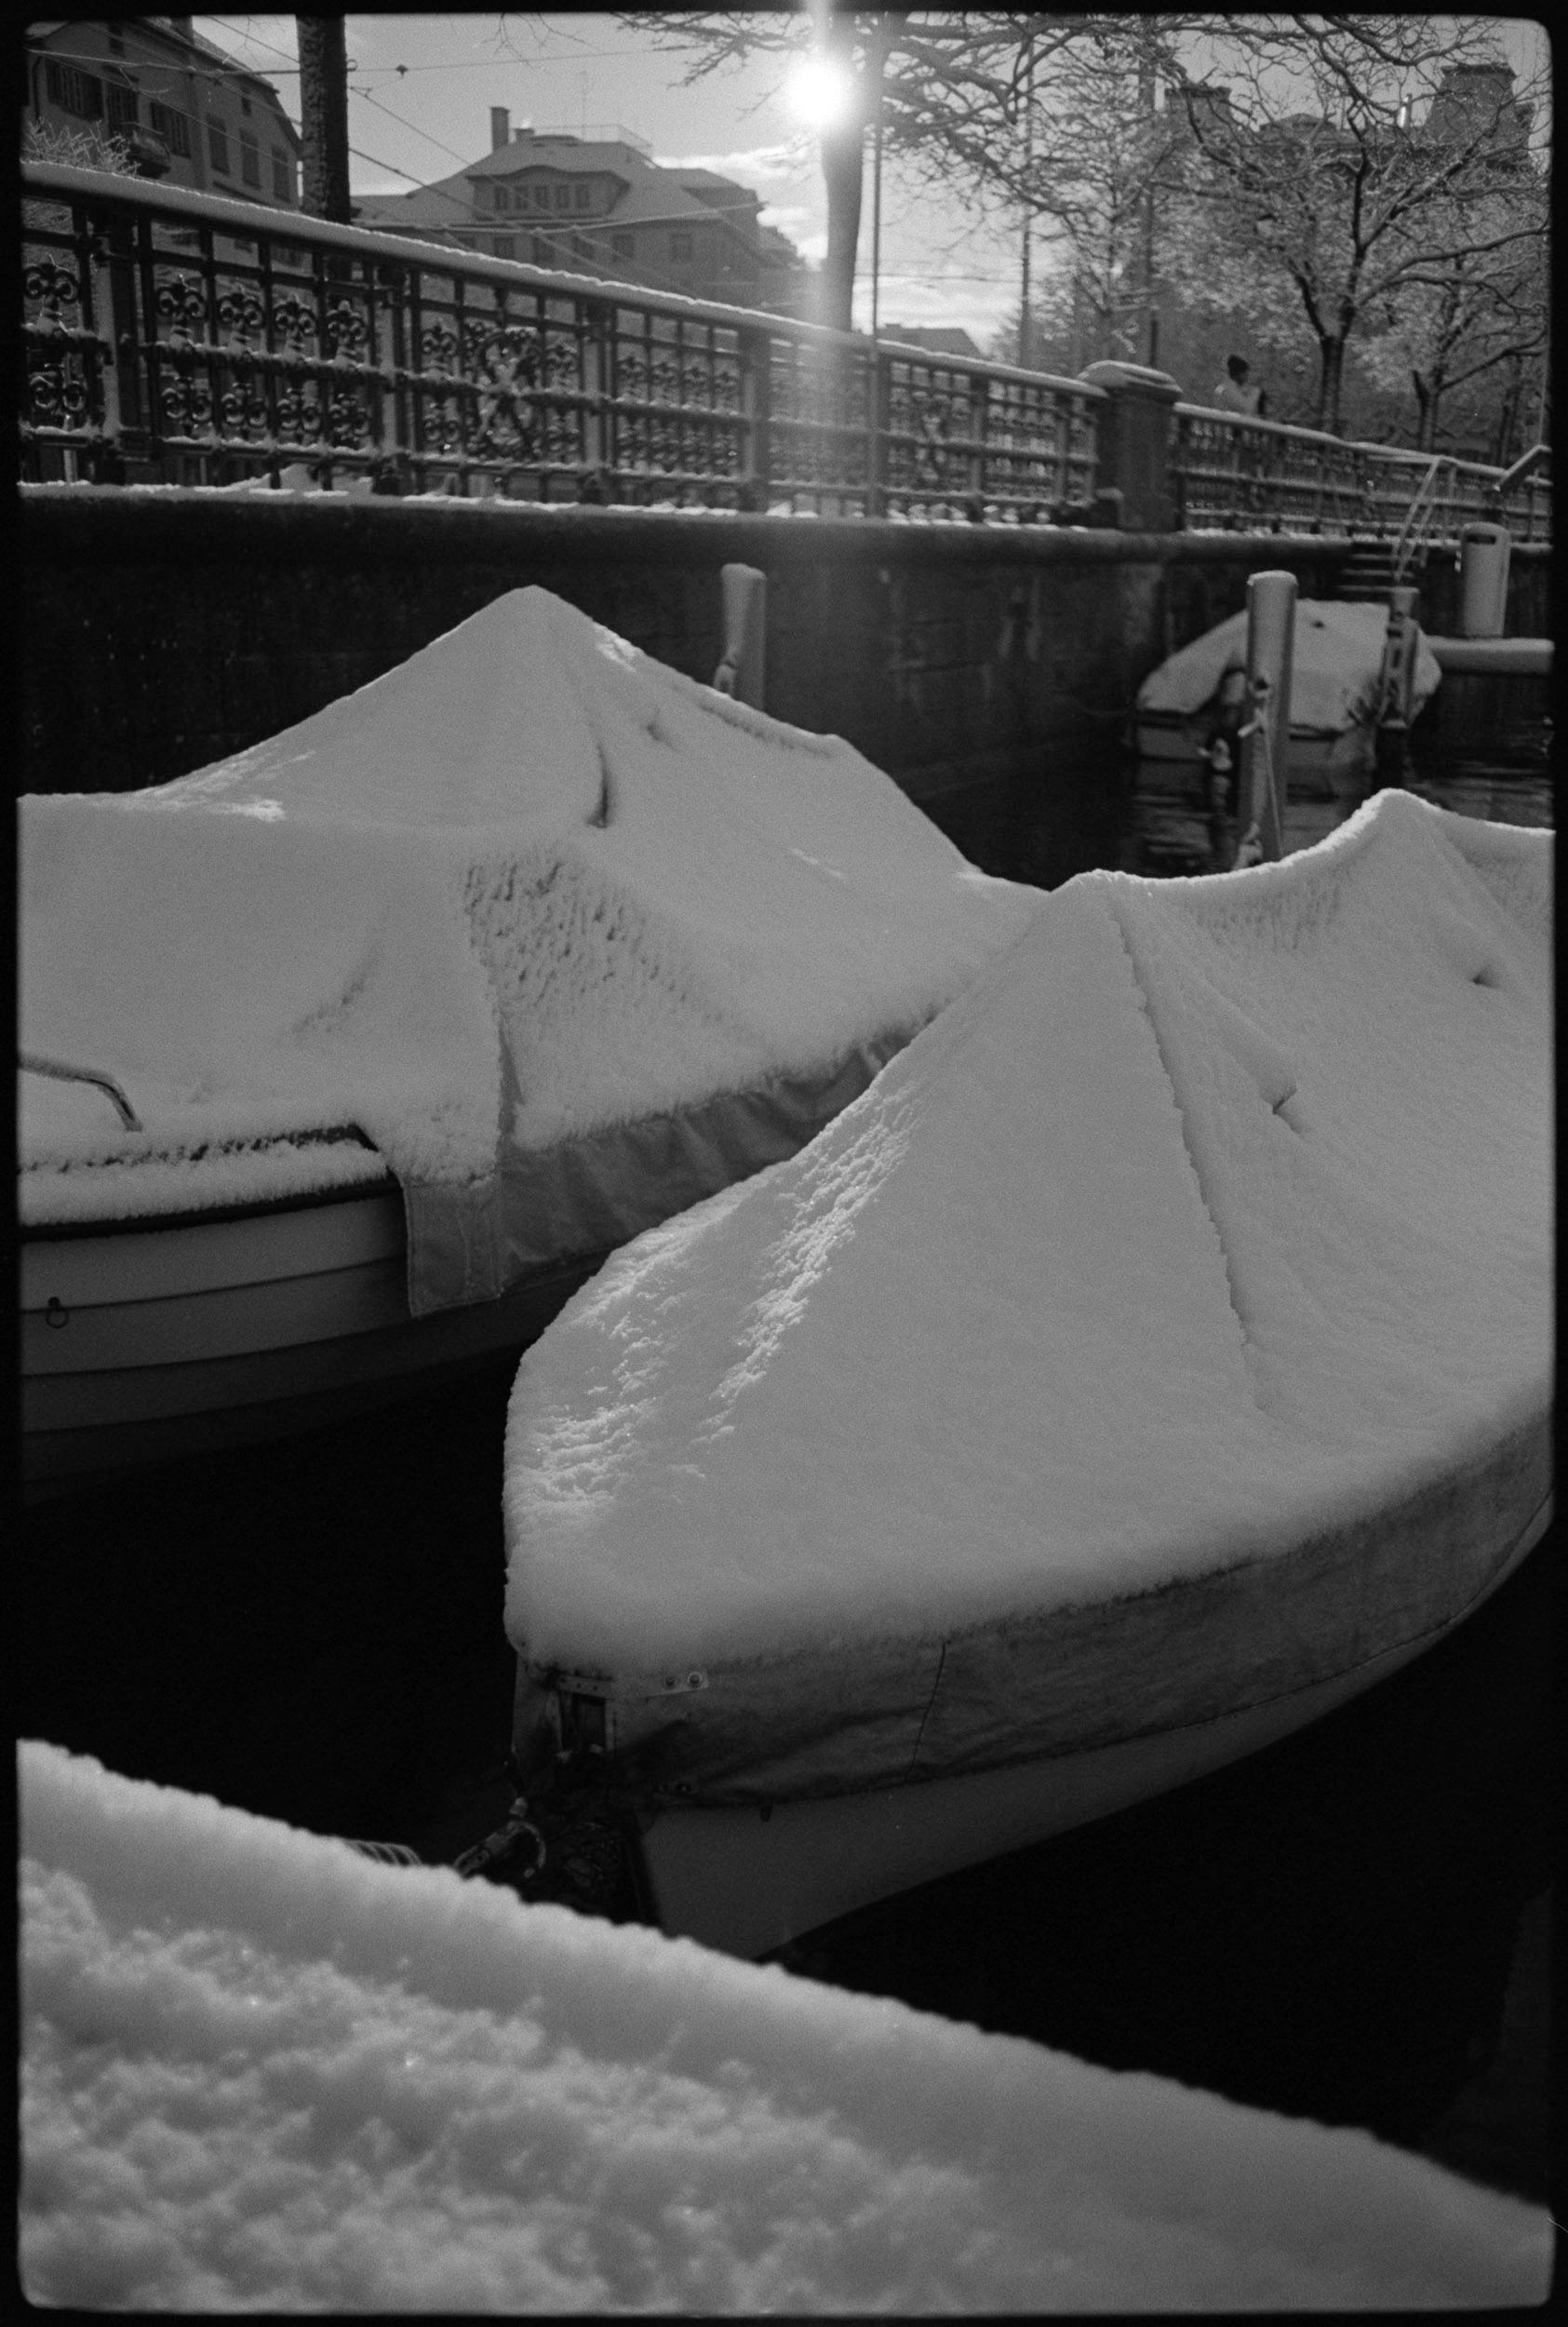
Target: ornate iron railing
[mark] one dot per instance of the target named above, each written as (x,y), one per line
(187,338)
(1233,472)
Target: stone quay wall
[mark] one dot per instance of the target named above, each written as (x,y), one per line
(989,670)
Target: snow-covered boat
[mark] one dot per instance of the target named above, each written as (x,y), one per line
(1337,659)
(1156,1355)
(346,1059)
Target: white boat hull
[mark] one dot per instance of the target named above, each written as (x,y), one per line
(1319,766)
(746,1881)
(151,1340)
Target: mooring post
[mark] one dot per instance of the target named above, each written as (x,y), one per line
(741,672)
(1266,732)
(1398,686)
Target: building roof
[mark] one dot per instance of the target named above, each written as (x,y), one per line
(652,195)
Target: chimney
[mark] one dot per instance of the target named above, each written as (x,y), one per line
(500,133)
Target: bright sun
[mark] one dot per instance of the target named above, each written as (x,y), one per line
(819,91)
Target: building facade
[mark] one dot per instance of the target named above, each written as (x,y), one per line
(596,203)
(188,114)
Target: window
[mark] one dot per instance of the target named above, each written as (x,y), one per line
(283,176)
(245,106)
(563,197)
(172,126)
(116,42)
(680,246)
(505,247)
(583,247)
(541,197)
(250,159)
(503,199)
(123,109)
(218,146)
(541,252)
(73,92)
(581,196)
(623,246)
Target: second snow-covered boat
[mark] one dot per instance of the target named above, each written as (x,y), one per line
(1156,1354)
(346,1059)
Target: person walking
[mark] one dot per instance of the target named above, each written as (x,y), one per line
(1233,395)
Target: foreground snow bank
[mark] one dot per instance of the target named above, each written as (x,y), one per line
(528,886)
(1215,1216)
(260,2072)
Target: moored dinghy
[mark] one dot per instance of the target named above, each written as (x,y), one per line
(1156,1354)
(347,1058)
(1337,654)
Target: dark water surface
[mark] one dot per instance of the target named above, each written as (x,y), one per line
(1489,755)
(1352,1926)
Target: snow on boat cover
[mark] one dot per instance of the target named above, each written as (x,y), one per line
(1336,665)
(1150,1340)
(569,938)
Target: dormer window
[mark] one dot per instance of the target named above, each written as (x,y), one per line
(503,199)
(581,195)
(541,197)
(563,197)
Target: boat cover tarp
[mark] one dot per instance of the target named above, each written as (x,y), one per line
(1169,1327)
(568,939)
(1336,660)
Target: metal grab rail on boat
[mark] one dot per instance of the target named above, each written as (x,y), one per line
(31,1064)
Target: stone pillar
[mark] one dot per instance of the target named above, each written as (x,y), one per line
(1135,442)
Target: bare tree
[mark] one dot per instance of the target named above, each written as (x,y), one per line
(1349,198)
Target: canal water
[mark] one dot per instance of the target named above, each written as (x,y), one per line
(1352,1926)
(1483,747)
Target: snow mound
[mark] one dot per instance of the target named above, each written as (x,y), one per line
(1336,659)
(260,2072)
(1214,1214)
(527,885)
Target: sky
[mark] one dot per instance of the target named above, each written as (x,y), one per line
(420,87)
(564,72)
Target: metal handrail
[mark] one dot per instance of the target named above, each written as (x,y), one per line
(1526,465)
(168,329)
(31,1063)
(1417,530)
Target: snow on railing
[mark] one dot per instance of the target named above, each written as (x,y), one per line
(188,338)
(1228,472)
(191,338)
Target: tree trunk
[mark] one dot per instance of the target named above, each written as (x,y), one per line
(324,117)
(1331,381)
(842,169)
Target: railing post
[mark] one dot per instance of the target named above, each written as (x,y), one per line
(877,383)
(757,403)
(1136,431)
(597,419)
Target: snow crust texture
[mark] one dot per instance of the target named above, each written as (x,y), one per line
(1214,1214)
(260,2072)
(528,842)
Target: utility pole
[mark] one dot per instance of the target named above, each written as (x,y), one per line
(1147,95)
(324,115)
(1024,333)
